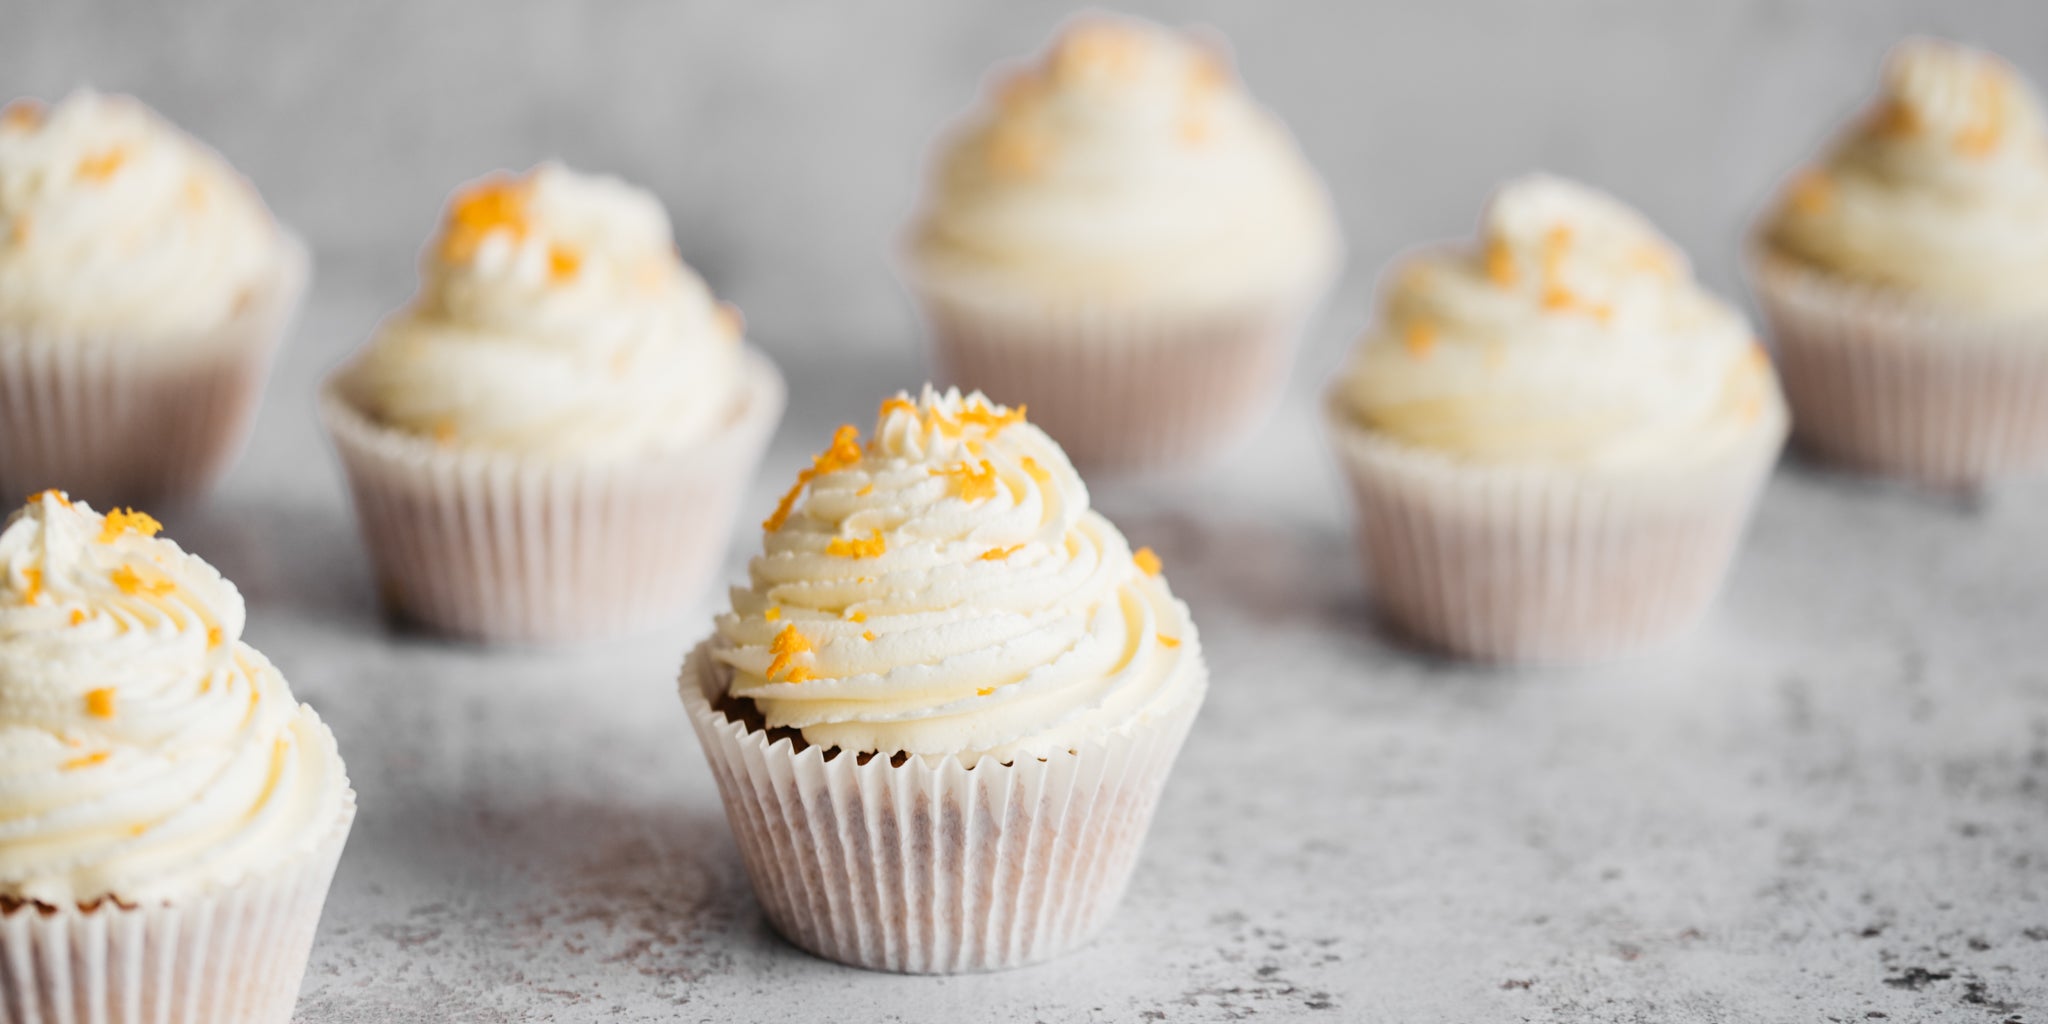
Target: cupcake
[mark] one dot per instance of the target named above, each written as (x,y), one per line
(1121,240)
(1905,277)
(1554,436)
(942,709)
(143,287)
(550,443)
(170,816)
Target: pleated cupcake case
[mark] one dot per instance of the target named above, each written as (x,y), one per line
(140,421)
(234,956)
(935,867)
(1886,386)
(1537,564)
(498,548)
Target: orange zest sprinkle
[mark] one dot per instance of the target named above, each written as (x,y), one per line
(1420,339)
(865,490)
(988,419)
(214,637)
(1896,119)
(1148,561)
(1813,193)
(1017,153)
(799,674)
(121,521)
(78,616)
(853,547)
(856,616)
(1000,554)
(1169,642)
(1558,297)
(564,263)
(50,495)
(842,453)
(100,703)
(788,644)
(96,757)
(985,691)
(1987,117)
(868,635)
(971,483)
(774,612)
(23,113)
(897,404)
(131,584)
(1037,471)
(1500,264)
(495,204)
(32,586)
(101,166)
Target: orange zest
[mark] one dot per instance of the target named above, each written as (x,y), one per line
(78,616)
(1420,339)
(214,637)
(1500,264)
(787,645)
(31,586)
(1000,554)
(1148,561)
(873,546)
(1169,642)
(774,612)
(103,165)
(100,703)
(842,453)
(564,263)
(971,483)
(131,584)
(120,521)
(495,204)
(96,757)
(1813,193)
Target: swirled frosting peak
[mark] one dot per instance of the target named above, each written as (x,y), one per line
(146,752)
(112,220)
(555,318)
(1128,163)
(943,589)
(1571,332)
(1940,190)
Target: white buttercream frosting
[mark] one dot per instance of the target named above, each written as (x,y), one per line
(113,221)
(1940,191)
(146,752)
(1571,333)
(944,589)
(1127,166)
(555,318)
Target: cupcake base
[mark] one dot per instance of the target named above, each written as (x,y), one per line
(236,956)
(496,548)
(1524,564)
(1122,390)
(1885,387)
(934,868)
(123,421)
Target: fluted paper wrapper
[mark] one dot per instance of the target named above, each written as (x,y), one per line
(499,548)
(1533,564)
(139,421)
(935,868)
(1884,386)
(235,956)
(1122,389)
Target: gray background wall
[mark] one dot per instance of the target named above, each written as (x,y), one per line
(787,137)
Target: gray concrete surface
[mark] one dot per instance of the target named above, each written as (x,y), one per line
(1829,804)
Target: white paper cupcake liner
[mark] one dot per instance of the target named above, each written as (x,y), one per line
(118,420)
(1881,385)
(927,867)
(235,956)
(1123,389)
(497,548)
(1528,564)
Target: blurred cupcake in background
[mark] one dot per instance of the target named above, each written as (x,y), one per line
(1122,241)
(171,814)
(550,443)
(942,710)
(143,289)
(1554,436)
(1904,276)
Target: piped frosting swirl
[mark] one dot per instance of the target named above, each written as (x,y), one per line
(1940,190)
(944,589)
(114,221)
(1571,333)
(1127,165)
(555,318)
(146,752)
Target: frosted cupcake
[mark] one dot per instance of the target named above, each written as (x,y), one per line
(1121,240)
(550,443)
(1905,276)
(1554,436)
(143,287)
(170,816)
(942,709)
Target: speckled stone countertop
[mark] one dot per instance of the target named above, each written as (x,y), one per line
(1830,803)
